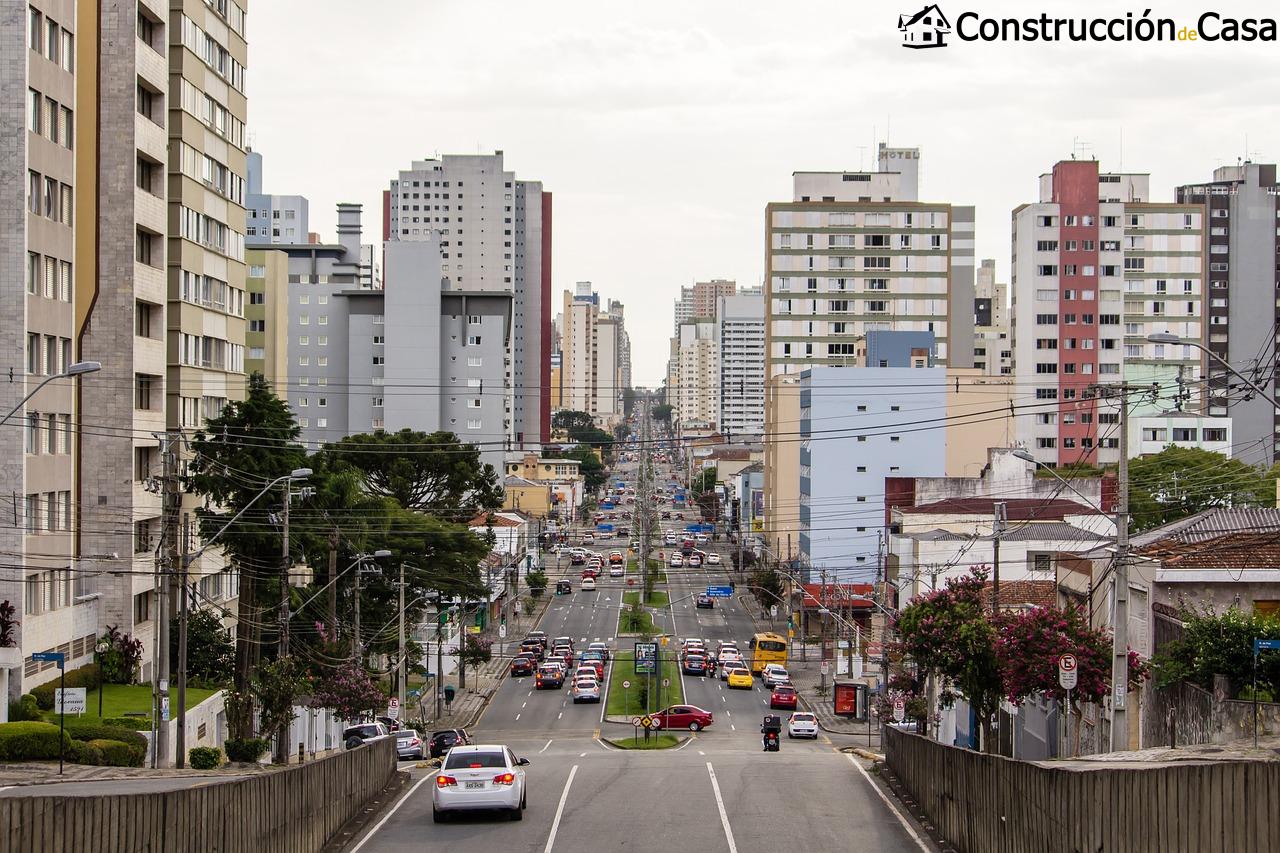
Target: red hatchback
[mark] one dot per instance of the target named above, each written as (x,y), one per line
(783,696)
(689,717)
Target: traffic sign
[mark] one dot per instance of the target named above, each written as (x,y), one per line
(899,709)
(666,682)
(70,700)
(635,721)
(1068,674)
(720,591)
(626,685)
(646,721)
(393,708)
(502,632)
(1265,645)
(57,657)
(825,667)
(773,611)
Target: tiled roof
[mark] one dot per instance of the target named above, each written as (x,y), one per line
(1211,524)
(1025,593)
(483,518)
(1017,509)
(513,480)
(1258,549)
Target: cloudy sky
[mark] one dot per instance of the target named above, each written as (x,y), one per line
(663,128)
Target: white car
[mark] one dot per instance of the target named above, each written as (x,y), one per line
(479,777)
(585,689)
(700,538)
(774,674)
(713,559)
(616,571)
(802,724)
(588,584)
(677,561)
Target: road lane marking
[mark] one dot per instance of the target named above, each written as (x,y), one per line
(724,816)
(387,816)
(517,716)
(700,752)
(582,755)
(732,727)
(560,715)
(564,797)
(893,808)
(544,747)
(522,704)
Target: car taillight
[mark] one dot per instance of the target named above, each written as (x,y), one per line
(446,781)
(504,779)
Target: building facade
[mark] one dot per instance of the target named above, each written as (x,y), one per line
(494,235)
(740,333)
(273,218)
(699,382)
(1241,314)
(1098,267)
(993,342)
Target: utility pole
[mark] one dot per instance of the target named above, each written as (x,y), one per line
(1120,649)
(882,592)
(998,527)
(166,565)
(439,654)
(333,582)
(823,612)
(180,755)
(401,672)
(356,656)
(282,742)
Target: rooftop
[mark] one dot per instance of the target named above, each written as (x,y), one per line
(1017,509)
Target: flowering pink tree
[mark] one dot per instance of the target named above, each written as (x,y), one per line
(1031,644)
(348,691)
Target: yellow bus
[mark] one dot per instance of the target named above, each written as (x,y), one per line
(767,648)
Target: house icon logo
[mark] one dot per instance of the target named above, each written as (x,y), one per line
(926,28)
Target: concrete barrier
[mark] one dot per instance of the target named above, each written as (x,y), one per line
(980,803)
(294,810)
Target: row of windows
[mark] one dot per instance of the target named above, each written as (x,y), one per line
(195,410)
(214,353)
(214,54)
(213,293)
(211,112)
(47,355)
(1070,443)
(48,277)
(48,512)
(232,12)
(869,241)
(1184,433)
(210,233)
(51,41)
(47,118)
(213,174)
(48,197)
(1071,368)
(47,434)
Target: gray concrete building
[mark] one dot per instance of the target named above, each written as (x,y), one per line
(273,218)
(494,235)
(1240,312)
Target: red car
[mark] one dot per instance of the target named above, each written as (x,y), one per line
(783,696)
(591,572)
(523,665)
(689,717)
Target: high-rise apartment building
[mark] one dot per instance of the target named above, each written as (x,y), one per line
(854,252)
(266,314)
(494,234)
(578,374)
(698,405)
(740,335)
(613,360)
(1097,267)
(1241,312)
(993,343)
(273,218)
(38,220)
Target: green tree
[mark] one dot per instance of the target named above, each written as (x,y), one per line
(592,469)
(251,443)
(537,582)
(948,635)
(662,413)
(766,586)
(275,686)
(435,473)
(705,480)
(211,653)
(571,420)
(1181,481)
(1216,643)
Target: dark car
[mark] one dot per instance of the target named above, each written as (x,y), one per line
(523,664)
(445,739)
(563,588)
(549,677)
(533,648)
(353,736)
(706,602)
(695,665)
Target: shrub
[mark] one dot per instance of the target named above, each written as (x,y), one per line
(26,708)
(134,742)
(133,724)
(87,753)
(117,754)
(204,758)
(86,676)
(248,749)
(122,656)
(28,741)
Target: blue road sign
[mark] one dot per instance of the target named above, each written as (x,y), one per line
(57,657)
(1265,645)
(720,591)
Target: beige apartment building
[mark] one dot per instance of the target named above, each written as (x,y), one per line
(266,315)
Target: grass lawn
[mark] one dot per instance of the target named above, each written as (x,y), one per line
(659,599)
(656,741)
(630,622)
(119,700)
(627,701)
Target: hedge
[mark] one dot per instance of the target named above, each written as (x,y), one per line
(86,676)
(26,708)
(250,749)
(204,758)
(133,724)
(133,741)
(117,754)
(32,741)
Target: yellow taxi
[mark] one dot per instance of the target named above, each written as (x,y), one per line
(740,677)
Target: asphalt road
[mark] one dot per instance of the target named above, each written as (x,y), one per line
(718,791)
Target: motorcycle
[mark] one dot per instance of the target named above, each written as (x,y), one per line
(771,728)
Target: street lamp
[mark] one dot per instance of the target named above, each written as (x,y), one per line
(1171,338)
(80,368)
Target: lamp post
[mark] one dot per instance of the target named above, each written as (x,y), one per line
(80,368)
(187,559)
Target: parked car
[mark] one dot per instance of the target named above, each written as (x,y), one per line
(358,735)
(479,777)
(689,717)
(802,724)
(409,744)
(446,739)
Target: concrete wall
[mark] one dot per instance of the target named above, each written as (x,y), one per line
(982,802)
(294,810)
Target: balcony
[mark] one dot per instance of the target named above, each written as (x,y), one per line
(150,138)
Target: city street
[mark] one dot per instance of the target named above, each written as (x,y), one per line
(717,791)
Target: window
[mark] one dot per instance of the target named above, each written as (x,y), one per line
(1044,367)
(1214,434)
(473,340)
(142,603)
(473,319)
(1046,319)
(146,391)
(147,248)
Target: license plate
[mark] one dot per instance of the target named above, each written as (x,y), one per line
(474,785)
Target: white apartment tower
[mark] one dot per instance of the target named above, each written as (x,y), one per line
(495,236)
(699,384)
(740,333)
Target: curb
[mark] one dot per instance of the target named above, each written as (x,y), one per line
(866,753)
(347,834)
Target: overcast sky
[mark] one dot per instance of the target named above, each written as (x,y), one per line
(664,128)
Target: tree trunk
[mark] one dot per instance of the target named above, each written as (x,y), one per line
(246,648)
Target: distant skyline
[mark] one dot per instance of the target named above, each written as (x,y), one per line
(663,130)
